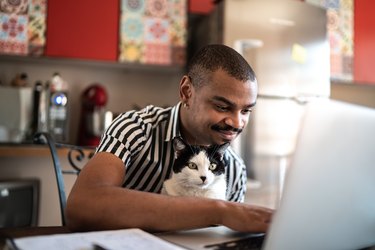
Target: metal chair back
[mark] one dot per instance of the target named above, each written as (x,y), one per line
(77,156)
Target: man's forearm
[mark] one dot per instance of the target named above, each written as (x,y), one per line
(116,207)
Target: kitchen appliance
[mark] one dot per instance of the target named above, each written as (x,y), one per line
(94,116)
(15,113)
(285,41)
(57,108)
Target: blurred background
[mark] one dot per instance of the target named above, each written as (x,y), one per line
(70,67)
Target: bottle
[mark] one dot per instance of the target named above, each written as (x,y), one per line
(39,113)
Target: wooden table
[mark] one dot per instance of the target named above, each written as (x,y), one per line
(29,231)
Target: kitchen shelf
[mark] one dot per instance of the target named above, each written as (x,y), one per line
(94,63)
(29,150)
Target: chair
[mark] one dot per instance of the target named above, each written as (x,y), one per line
(76,155)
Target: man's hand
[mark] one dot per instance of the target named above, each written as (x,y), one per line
(245,217)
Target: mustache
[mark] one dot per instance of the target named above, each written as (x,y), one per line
(226,128)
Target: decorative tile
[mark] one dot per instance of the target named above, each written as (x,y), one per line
(347,65)
(332,4)
(157,8)
(177,9)
(131,52)
(36,34)
(12,47)
(22,26)
(340,23)
(18,7)
(178,33)
(153,31)
(336,65)
(156,31)
(334,42)
(13,34)
(13,28)
(133,6)
(157,54)
(38,7)
(132,28)
(178,55)
(346,5)
(333,20)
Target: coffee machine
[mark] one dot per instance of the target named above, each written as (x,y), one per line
(57,108)
(94,116)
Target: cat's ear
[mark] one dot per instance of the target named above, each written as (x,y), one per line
(178,146)
(221,150)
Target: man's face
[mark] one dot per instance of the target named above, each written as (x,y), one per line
(220,109)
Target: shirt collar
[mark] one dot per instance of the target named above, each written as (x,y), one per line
(173,128)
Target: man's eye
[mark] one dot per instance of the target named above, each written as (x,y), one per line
(221,108)
(192,165)
(246,111)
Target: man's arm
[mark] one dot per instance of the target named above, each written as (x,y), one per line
(98,202)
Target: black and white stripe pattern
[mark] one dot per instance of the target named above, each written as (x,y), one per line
(143,141)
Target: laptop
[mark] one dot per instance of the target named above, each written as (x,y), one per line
(328,200)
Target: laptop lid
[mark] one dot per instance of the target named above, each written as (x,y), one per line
(328,201)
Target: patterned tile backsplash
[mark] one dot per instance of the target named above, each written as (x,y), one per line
(340,23)
(22,26)
(153,31)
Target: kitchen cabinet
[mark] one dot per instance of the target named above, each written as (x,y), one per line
(364,40)
(151,32)
(85,29)
(137,32)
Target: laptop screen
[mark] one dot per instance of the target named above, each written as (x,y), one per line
(328,201)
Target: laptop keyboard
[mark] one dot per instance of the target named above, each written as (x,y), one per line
(249,243)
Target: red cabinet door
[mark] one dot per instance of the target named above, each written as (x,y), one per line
(364,41)
(84,29)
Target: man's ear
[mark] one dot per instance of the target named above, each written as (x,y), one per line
(185,89)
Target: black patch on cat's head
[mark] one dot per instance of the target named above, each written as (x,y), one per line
(184,152)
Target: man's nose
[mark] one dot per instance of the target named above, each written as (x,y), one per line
(236,120)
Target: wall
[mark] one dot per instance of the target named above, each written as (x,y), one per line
(126,87)
(38,167)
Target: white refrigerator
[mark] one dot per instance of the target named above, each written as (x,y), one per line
(286,43)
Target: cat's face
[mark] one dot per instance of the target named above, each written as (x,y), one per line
(198,166)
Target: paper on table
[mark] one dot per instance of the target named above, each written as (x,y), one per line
(132,239)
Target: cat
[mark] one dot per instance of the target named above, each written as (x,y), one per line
(197,171)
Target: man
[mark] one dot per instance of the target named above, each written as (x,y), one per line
(119,187)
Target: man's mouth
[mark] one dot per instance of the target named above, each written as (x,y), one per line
(227,132)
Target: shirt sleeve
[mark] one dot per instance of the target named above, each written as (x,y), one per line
(125,136)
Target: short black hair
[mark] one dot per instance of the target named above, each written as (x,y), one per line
(213,57)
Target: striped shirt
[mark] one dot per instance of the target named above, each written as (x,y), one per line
(143,140)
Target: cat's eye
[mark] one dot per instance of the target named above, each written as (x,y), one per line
(212,166)
(192,165)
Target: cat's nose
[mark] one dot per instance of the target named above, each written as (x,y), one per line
(203,178)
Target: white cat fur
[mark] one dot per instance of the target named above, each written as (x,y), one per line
(188,181)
